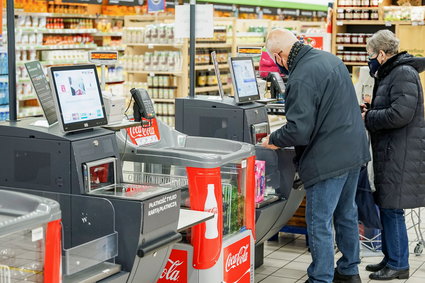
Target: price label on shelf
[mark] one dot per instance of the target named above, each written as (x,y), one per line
(340,47)
(151,74)
(103,57)
(339,23)
(388,24)
(150,46)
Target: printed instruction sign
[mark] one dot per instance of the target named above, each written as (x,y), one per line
(159,211)
(204,27)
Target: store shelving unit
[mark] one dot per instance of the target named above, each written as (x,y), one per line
(405,30)
(73,25)
(164,106)
(342,27)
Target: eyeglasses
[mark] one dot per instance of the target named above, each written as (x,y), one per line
(369,57)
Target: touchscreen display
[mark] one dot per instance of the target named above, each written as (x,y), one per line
(78,95)
(245,80)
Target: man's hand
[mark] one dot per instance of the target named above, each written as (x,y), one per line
(265,144)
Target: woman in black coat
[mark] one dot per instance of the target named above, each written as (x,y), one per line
(397,128)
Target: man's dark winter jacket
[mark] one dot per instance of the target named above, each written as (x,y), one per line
(397,127)
(324,120)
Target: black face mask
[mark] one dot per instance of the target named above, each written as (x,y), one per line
(282,69)
(373,66)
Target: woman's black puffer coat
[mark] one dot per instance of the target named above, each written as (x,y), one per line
(397,127)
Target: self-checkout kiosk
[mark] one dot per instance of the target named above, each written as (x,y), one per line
(243,119)
(117,225)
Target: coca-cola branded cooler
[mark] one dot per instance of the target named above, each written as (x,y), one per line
(30,238)
(219,175)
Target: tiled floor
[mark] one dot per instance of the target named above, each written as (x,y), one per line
(286,261)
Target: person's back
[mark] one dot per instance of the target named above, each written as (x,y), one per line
(337,141)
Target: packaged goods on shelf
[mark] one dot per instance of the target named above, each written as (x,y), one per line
(113,74)
(219,36)
(352,38)
(3,63)
(169,120)
(357,14)
(166,61)
(358,3)
(203,56)
(4,93)
(31,21)
(22,38)
(110,25)
(162,108)
(128,85)
(352,56)
(62,55)
(250,37)
(404,13)
(394,13)
(68,39)
(151,34)
(4,113)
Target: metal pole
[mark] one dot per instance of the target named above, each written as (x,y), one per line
(192,50)
(103,76)
(13,115)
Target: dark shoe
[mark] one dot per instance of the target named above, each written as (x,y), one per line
(389,274)
(375,267)
(339,278)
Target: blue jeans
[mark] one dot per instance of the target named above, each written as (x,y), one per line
(333,198)
(395,244)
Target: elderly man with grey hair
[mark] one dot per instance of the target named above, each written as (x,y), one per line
(325,126)
(397,129)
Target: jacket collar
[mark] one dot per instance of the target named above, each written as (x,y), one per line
(303,51)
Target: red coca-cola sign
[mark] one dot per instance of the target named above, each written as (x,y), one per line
(144,135)
(237,262)
(176,268)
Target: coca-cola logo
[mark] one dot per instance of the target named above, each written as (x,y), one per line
(176,268)
(234,260)
(139,131)
(171,272)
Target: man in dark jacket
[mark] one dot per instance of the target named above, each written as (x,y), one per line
(397,127)
(325,126)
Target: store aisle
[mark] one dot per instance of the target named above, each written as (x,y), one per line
(287,260)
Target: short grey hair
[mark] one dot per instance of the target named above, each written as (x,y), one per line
(384,40)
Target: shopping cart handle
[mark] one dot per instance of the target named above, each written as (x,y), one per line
(157,244)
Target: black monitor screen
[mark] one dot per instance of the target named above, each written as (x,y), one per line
(244,79)
(78,97)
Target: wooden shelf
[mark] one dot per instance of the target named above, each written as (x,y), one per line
(211,88)
(112,33)
(210,67)
(250,44)
(156,73)
(164,99)
(355,63)
(153,45)
(351,45)
(358,8)
(62,15)
(359,22)
(213,45)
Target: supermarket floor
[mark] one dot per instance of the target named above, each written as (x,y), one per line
(286,260)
